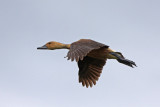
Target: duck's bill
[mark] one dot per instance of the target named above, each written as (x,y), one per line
(42,47)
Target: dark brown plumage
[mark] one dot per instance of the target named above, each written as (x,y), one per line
(90,56)
(80,49)
(89,68)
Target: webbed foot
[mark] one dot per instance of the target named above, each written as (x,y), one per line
(127,62)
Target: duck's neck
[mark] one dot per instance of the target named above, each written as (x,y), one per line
(66,46)
(62,46)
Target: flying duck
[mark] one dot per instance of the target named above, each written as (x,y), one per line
(90,56)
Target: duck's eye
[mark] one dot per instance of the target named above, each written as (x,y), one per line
(49,43)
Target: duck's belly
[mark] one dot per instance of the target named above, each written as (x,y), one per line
(101,53)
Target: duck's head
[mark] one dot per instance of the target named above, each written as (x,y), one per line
(53,45)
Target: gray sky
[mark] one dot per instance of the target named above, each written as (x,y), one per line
(33,78)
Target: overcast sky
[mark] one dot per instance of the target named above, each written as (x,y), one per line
(38,78)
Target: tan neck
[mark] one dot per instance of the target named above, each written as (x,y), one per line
(66,46)
(61,46)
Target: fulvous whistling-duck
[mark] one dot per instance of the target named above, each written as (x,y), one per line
(91,56)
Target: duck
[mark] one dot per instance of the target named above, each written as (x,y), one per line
(91,56)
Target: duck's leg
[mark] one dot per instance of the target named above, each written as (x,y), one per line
(122,60)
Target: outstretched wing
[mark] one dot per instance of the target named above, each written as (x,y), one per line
(90,70)
(81,48)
